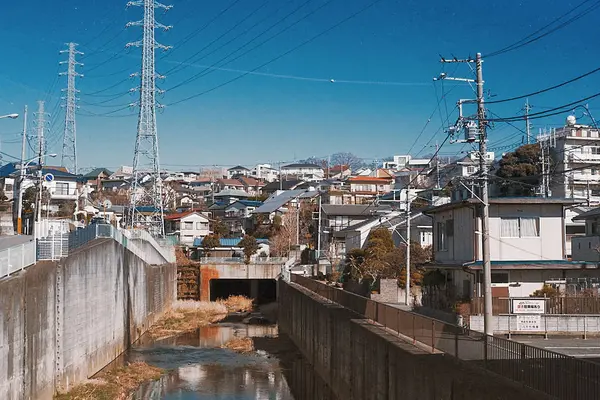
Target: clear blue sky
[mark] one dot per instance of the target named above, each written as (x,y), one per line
(262,118)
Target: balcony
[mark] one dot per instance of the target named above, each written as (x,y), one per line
(584,158)
(64,194)
(585,178)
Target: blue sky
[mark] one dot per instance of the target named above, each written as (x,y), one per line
(270,118)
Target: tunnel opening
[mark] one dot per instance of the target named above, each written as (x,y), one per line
(262,291)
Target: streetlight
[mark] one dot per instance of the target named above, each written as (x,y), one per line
(24,166)
(11,116)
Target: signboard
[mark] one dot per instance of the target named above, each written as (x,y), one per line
(528,306)
(48,177)
(529,323)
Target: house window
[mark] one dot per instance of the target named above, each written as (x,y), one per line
(441,238)
(470,170)
(8,187)
(62,188)
(499,279)
(199,225)
(188,225)
(520,227)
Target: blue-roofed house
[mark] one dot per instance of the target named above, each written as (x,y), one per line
(237,215)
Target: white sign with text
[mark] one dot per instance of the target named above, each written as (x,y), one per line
(528,306)
(529,323)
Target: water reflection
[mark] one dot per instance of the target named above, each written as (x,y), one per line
(200,369)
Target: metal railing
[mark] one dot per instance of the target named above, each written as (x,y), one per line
(17,258)
(240,260)
(555,374)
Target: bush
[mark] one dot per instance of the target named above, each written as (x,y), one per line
(237,304)
(546,291)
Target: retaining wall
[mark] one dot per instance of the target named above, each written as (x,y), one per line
(60,323)
(362,361)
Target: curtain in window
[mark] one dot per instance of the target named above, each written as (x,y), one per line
(509,227)
(529,227)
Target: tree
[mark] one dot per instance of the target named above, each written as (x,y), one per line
(284,227)
(219,228)
(349,159)
(418,256)
(29,196)
(210,242)
(66,209)
(250,246)
(523,168)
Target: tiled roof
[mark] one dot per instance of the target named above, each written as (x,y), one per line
(230,182)
(238,168)
(249,181)
(368,179)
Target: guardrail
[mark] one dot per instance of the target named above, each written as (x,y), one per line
(555,374)
(17,258)
(165,251)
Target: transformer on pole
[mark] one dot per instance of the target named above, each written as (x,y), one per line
(146,198)
(69,148)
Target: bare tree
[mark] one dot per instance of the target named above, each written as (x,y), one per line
(349,159)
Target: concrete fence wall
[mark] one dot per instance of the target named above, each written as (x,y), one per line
(60,323)
(563,324)
(361,361)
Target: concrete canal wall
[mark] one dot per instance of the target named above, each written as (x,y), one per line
(362,361)
(60,323)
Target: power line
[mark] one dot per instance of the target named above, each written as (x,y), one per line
(207,71)
(322,33)
(545,90)
(532,39)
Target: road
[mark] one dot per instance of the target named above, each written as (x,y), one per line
(575,347)
(10,241)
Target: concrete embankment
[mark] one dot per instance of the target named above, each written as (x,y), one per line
(361,361)
(60,323)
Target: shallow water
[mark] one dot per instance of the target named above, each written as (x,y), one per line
(200,369)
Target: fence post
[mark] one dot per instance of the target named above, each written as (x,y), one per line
(508,326)
(584,327)
(456,342)
(433,336)
(414,332)
(22,256)
(545,326)
(485,349)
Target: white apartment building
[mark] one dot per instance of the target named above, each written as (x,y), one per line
(264,172)
(305,172)
(575,149)
(406,161)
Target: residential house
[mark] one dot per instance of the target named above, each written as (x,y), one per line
(303,171)
(527,245)
(264,172)
(279,202)
(230,196)
(337,218)
(228,184)
(187,226)
(366,188)
(575,151)
(587,248)
(237,171)
(95,177)
(406,161)
(339,172)
(123,172)
(251,185)
(291,184)
(237,215)
(120,186)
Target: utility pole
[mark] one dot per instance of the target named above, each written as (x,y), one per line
(22,176)
(280,179)
(41,124)
(319,231)
(407,286)
(485,215)
(483,168)
(69,149)
(145,159)
(527,122)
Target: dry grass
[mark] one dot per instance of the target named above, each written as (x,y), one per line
(114,384)
(240,345)
(237,304)
(187,316)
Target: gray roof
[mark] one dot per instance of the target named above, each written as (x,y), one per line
(301,165)
(232,193)
(354,210)
(588,215)
(238,168)
(274,203)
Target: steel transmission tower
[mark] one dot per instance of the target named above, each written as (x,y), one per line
(69,149)
(147,184)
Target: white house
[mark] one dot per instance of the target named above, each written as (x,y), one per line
(237,171)
(264,172)
(306,172)
(527,244)
(187,226)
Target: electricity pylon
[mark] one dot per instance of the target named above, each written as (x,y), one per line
(146,200)
(69,148)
